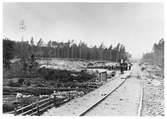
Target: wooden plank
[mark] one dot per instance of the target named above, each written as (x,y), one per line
(43,109)
(19,111)
(44,100)
(47,107)
(33,104)
(46,103)
(27,112)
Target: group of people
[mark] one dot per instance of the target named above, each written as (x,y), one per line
(124,66)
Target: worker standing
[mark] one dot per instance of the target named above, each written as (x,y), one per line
(122,66)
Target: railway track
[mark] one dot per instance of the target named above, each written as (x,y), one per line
(89,109)
(139,111)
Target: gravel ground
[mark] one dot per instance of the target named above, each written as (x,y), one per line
(153,99)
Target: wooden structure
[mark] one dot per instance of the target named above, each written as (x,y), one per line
(102,76)
(38,107)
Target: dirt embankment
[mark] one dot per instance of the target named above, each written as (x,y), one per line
(153,99)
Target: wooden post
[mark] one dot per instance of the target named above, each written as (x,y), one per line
(15,111)
(105,76)
(69,95)
(54,99)
(101,77)
(21,100)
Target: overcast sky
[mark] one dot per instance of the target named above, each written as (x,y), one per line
(136,25)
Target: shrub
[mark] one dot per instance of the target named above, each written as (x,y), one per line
(52,83)
(64,75)
(8,107)
(59,85)
(20,81)
(13,84)
(28,83)
(27,101)
(85,76)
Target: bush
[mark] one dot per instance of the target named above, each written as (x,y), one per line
(85,76)
(28,83)
(8,107)
(52,83)
(27,101)
(64,75)
(13,84)
(50,74)
(20,81)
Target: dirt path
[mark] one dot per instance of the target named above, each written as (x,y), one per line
(124,101)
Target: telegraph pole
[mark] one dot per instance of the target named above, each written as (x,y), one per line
(22,28)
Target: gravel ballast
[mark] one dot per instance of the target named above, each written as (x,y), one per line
(153,98)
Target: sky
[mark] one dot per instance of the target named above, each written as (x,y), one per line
(135,25)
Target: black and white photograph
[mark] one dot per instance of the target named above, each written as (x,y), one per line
(83,59)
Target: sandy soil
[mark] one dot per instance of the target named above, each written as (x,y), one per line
(62,64)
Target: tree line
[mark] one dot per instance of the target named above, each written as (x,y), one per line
(156,56)
(54,49)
